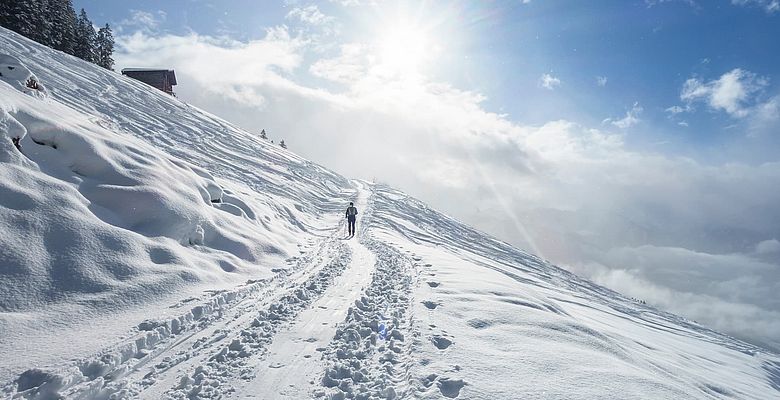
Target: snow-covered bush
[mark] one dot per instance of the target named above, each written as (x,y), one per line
(16,74)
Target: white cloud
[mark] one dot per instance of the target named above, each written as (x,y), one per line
(770,6)
(549,82)
(768,246)
(683,123)
(601,80)
(141,20)
(651,3)
(765,118)
(733,92)
(674,110)
(570,193)
(221,66)
(310,15)
(349,3)
(349,66)
(631,118)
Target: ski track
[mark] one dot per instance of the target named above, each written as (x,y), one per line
(222,334)
(233,353)
(293,363)
(370,355)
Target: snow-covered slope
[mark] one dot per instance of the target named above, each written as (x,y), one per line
(152,250)
(121,196)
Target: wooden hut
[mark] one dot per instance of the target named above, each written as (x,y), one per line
(163,79)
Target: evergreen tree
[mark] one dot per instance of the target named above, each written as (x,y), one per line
(25,17)
(283,144)
(105,48)
(263,135)
(86,38)
(62,25)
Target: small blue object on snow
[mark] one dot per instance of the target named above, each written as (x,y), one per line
(382,331)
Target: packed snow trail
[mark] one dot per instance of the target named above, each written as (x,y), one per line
(293,363)
(370,355)
(228,335)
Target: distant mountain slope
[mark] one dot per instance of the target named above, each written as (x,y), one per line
(152,250)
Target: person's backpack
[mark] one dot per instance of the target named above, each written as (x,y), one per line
(351,211)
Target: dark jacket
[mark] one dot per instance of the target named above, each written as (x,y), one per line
(351,212)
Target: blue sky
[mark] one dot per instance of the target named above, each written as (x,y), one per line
(632,142)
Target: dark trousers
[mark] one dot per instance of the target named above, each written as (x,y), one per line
(351,225)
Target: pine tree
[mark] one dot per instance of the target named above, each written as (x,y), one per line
(84,47)
(283,144)
(263,135)
(6,15)
(62,25)
(105,48)
(25,17)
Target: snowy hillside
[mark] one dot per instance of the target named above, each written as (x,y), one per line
(152,250)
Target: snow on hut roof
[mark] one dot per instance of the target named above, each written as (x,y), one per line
(171,74)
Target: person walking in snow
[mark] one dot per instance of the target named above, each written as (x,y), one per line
(351,216)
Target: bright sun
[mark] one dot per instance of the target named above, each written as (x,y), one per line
(403,49)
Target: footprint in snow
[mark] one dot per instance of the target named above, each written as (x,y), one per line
(450,387)
(429,380)
(477,323)
(434,284)
(441,342)
(431,305)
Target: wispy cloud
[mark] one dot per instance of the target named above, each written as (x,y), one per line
(601,81)
(733,92)
(349,3)
(674,110)
(141,20)
(770,6)
(765,119)
(310,15)
(548,81)
(631,118)
(651,3)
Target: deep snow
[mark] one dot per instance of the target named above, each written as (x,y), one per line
(152,250)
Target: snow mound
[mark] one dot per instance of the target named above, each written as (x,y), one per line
(14,73)
(119,200)
(75,207)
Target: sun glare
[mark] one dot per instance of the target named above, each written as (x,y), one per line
(403,49)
